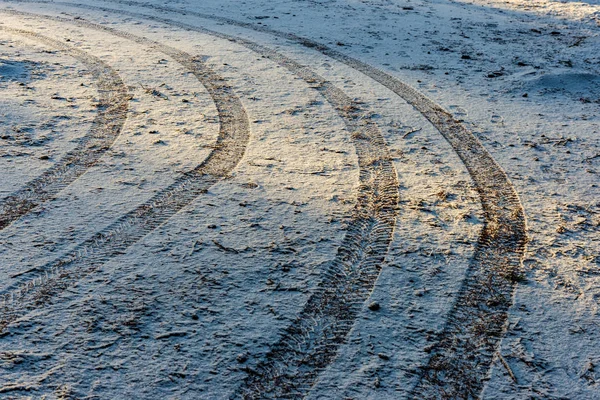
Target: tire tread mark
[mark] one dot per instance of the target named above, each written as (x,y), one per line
(350,277)
(105,128)
(463,352)
(230,147)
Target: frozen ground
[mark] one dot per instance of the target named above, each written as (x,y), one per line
(194,205)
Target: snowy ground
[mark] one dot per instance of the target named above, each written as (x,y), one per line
(192,294)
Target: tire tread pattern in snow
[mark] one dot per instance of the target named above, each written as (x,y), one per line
(462,354)
(105,128)
(27,293)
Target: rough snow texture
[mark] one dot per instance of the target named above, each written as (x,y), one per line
(185,311)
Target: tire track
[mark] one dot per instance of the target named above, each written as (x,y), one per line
(231,144)
(348,280)
(465,347)
(494,268)
(106,127)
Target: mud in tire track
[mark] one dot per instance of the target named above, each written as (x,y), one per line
(462,354)
(106,127)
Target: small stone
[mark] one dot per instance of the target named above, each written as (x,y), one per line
(374,306)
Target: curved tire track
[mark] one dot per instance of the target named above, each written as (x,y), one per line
(461,358)
(106,127)
(464,350)
(330,312)
(465,347)
(133,226)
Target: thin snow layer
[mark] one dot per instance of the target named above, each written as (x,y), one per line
(46,106)
(184,312)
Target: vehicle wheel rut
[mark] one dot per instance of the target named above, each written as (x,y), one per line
(28,293)
(464,350)
(462,354)
(350,277)
(106,127)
